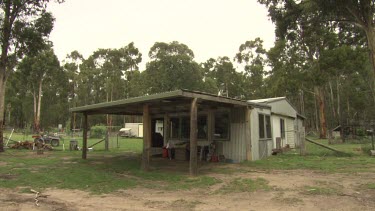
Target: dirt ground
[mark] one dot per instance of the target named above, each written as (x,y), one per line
(290,190)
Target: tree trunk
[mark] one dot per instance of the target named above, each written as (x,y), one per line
(370,33)
(316,115)
(332,102)
(322,116)
(2,102)
(37,120)
(35,111)
(338,100)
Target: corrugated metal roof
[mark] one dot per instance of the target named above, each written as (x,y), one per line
(134,104)
(267,100)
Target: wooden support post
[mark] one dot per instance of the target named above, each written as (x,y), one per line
(248,133)
(210,126)
(302,143)
(84,136)
(106,142)
(166,126)
(146,138)
(193,138)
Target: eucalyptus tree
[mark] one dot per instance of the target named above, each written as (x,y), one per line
(357,13)
(228,81)
(37,72)
(172,66)
(300,23)
(106,75)
(253,57)
(24,28)
(72,68)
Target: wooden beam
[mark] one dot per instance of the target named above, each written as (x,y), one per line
(85,128)
(193,138)
(248,133)
(327,147)
(166,126)
(210,125)
(146,138)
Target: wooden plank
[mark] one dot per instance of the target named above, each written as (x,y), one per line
(146,138)
(210,125)
(193,138)
(166,127)
(327,147)
(106,143)
(85,128)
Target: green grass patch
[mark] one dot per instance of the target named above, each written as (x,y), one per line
(245,185)
(103,172)
(184,204)
(370,186)
(319,159)
(318,190)
(328,164)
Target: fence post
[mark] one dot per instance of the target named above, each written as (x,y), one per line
(106,141)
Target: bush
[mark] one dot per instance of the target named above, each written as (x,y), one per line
(366,148)
(98,131)
(360,132)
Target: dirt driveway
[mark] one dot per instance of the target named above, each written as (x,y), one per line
(285,190)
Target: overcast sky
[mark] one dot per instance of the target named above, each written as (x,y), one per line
(211,28)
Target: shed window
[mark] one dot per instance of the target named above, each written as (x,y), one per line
(180,127)
(202,127)
(221,126)
(175,126)
(282,128)
(265,126)
(261,126)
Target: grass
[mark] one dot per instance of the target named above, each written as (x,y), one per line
(319,159)
(370,186)
(97,175)
(119,168)
(318,190)
(245,185)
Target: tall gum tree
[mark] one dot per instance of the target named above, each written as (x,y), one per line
(300,22)
(24,28)
(359,13)
(36,71)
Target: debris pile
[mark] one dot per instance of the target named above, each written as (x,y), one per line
(31,145)
(23,145)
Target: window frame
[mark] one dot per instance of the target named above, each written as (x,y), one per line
(282,128)
(262,124)
(228,126)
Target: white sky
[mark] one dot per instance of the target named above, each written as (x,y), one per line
(211,28)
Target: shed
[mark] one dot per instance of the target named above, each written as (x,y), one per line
(240,130)
(287,124)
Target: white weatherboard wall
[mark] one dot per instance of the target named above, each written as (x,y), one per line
(254,119)
(276,132)
(283,107)
(290,132)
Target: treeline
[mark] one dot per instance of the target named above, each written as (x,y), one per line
(43,85)
(321,65)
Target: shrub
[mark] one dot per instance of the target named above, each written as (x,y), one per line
(366,148)
(360,132)
(98,131)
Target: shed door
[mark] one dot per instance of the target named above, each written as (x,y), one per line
(263,149)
